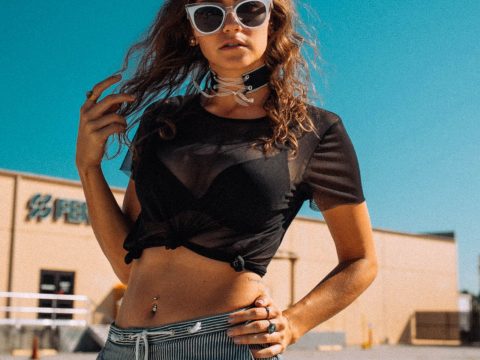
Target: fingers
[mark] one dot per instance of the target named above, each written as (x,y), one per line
(253,328)
(109,103)
(263,300)
(95,125)
(114,108)
(99,130)
(256,313)
(268,351)
(99,88)
(110,129)
(98,121)
(272,344)
(257,328)
(258,338)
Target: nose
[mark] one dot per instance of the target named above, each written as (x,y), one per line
(231,23)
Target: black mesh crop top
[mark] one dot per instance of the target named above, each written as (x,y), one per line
(208,190)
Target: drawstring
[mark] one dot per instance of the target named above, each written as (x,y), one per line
(223,91)
(144,336)
(195,328)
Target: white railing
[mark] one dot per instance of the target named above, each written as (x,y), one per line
(84,311)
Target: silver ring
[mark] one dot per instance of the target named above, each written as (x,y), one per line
(268,311)
(271,327)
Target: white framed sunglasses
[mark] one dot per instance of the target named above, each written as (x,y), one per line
(208,17)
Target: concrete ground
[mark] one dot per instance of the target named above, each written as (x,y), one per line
(379,352)
(386,352)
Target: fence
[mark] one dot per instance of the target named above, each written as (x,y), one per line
(80,310)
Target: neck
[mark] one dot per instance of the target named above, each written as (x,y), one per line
(242,90)
(251,88)
(226,104)
(236,72)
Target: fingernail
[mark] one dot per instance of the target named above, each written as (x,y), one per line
(261,302)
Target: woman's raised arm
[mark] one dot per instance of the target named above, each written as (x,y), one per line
(109,223)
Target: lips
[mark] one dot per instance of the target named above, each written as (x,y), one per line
(231,47)
(232,42)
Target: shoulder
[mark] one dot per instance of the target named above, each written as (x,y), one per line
(159,110)
(169,104)
(169,108)
(322,119)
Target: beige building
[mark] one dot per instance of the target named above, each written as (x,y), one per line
(47,246)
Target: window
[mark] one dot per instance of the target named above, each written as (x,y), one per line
(56,282)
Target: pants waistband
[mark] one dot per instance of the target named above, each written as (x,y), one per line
(177,330)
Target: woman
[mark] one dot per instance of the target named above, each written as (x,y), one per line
(217,176)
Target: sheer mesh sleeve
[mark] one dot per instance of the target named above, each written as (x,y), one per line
(128,164)
(332,175)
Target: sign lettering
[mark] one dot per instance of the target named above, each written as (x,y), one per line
(71,211)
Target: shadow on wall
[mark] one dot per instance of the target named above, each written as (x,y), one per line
(406,336)
(106,311)
(433,327)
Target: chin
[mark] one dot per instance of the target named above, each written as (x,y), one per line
(234,62)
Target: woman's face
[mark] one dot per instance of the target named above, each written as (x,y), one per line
(233,62)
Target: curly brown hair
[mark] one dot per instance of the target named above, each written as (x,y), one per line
(168,62)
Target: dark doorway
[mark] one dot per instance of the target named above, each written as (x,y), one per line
(56,282)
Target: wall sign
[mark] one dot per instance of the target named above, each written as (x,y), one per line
(71,211)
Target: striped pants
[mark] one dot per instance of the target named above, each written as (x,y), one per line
(202,338)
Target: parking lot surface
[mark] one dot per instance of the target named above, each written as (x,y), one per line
(380,352)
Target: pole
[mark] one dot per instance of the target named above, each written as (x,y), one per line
(478,294)
(12,242)
(35,353)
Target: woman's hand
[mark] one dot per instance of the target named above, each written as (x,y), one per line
(253,328)
(97,122)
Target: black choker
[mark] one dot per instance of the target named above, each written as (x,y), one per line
(249,82)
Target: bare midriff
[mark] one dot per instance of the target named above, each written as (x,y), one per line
(188,286)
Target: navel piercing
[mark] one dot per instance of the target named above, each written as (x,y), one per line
(154,306)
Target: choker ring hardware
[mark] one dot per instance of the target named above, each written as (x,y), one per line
(249,82)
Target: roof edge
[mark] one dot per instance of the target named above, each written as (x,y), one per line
(429,235)
(58,180)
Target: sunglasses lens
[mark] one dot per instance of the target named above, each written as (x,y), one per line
(252,13)
(208,18)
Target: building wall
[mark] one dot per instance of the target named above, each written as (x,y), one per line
(7,185)
(51,244)
(416,272)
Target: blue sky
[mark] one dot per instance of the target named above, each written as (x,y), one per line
(403,75)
